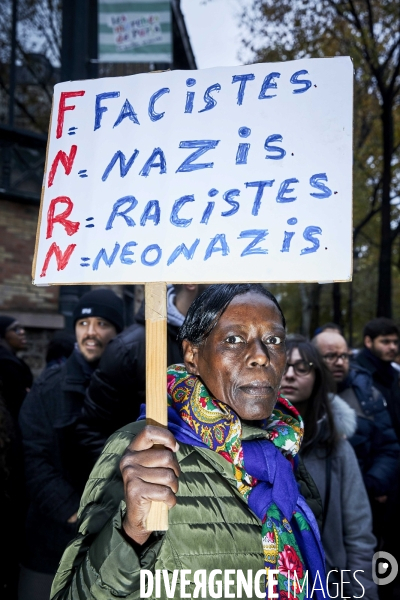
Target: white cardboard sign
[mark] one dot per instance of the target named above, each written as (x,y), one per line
(219,175)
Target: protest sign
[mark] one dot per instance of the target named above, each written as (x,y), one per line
(226,174)
(239,174)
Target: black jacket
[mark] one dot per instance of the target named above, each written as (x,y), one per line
(12,505)
(55,470)
(374,442)
(118,386)
(386,380)
(15,379)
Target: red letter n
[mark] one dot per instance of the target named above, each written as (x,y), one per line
(70,227)
(67,160)
(62,108)
(61,258)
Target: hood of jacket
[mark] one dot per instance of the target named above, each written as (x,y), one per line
(344,416)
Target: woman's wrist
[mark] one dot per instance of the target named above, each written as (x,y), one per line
(135,535)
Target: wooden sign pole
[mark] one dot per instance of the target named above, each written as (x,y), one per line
(156,379)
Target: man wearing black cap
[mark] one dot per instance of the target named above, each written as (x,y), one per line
(55,470)
(117,388)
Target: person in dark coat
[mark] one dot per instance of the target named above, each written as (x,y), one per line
(10,501)
(381,346)
(117,388)
(15,381)
(15,375)
(374,440)
(56,472)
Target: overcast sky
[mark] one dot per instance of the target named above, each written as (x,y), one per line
(214,32)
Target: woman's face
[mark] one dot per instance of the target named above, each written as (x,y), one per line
(15,336)
(297,387)
(242,360)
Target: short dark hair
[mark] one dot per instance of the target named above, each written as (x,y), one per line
(380,326)
(326,326)
(207,309)
(60,346)
(318,405)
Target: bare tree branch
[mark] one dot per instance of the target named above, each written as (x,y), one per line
(357,229)
(21,106)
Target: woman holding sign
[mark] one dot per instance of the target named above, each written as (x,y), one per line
(228,472)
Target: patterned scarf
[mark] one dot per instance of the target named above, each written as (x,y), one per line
(263,469)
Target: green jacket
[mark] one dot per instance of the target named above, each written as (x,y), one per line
(211,527)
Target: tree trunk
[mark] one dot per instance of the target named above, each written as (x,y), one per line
(337,304)
(310,294)
(350,315)
(315,296)
(305,310)
(384,304)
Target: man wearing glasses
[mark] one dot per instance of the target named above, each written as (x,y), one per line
(374,441)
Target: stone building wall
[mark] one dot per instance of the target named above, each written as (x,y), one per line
(36,308)
(18,224)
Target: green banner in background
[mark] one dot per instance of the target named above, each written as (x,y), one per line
(135,31)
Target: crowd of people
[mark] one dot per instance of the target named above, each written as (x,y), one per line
(232,377)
